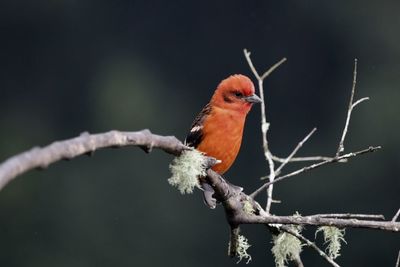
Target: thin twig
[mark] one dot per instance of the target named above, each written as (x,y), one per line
(350,109)
(350,216)
(314,166)
(310,244)
(299,145)
(396,216)
(359,101)
(253,69)
(298,159)
(398,260)
(271,69)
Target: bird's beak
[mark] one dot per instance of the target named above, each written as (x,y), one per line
(253,99)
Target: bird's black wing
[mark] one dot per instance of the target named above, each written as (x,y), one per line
(195,135)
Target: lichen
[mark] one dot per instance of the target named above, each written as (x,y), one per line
(186,170)
(333,236)
(286,247)
(242,247)
(248,207)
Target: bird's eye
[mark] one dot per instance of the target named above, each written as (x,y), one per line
(238,94)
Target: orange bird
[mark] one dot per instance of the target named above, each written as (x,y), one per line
(217,131)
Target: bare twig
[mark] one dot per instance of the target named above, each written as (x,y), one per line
(351,216)
(271,69)
(314,166)
(310,244)
(398,260)
(84,144)
(298,159)
(396,216)
(350,109)
(264,124)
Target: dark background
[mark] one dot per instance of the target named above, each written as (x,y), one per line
(73,66)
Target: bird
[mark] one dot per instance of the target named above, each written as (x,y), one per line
(218,129)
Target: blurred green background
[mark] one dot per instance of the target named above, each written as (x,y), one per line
(74,66)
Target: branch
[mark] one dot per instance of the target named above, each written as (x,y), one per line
(84,144)
(319,221)
(231,196)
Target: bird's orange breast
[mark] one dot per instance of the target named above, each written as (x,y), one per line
(222,137)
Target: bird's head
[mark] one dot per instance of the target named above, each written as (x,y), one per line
(235,93)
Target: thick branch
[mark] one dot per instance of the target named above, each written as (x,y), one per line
(84,144)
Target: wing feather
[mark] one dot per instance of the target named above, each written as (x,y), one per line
(195,135)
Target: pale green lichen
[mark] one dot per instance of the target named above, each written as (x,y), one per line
(286,247)
(186,169)
(333,236)
(248,207)
(242,247)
